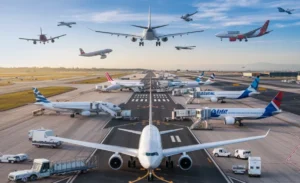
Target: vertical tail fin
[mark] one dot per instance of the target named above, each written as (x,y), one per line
(212,76)
(264,28)
(274,105)
(202,74)
(254,85)
(81,51)
(39,97)
(149,18)
(41,30)
(108,77)
(150,104)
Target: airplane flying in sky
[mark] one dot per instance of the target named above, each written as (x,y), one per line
(81,108)
(135,85)
(149,33)
(233,115)
(150,152)
(68,24)
(185,47)
(288,11)
(236,35)
(43,38)
(216,96)
(187,17)
(102,53)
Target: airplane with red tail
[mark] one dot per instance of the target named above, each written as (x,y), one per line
(43,38)
(237,35)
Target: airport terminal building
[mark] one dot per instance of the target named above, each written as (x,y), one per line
(271,74)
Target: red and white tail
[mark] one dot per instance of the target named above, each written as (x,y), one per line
(264,28)
(81,51)
(108,77)
(277,99)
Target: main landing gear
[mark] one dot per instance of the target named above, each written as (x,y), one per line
(72,115)
(141,43)
(131,163)
(169,163)
(157,43)
(240,122)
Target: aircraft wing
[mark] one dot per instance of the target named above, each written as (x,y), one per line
(250,33)
(118,34)
(179,34)
(110,148)
(29,39)
(190,148)
(193,13)
(57,37)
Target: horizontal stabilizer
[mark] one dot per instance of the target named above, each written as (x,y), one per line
(130,131)
(159,26)
(170,131)
(143,27)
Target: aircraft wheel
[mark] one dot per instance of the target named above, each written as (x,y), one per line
(72,115)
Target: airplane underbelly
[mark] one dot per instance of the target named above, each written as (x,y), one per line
(150,36)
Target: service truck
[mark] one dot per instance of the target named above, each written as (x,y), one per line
(42,168)
(126,115)
(13,158)
(39,138)
(254,166)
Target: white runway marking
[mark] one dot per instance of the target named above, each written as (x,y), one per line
(172,138)
(177,138)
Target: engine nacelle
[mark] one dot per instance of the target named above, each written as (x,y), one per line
(115,162)
(232,39)
(240,37)
(214,99)
(133,39)
(103,56)
(185,162)
(229,120)
(85,113)
(52,41)
(165,39)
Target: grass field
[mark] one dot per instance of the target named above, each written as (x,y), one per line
(17,99)
(99,79)
(6,83)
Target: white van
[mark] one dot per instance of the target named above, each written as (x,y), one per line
(254,166)
(221,152)
(242,153)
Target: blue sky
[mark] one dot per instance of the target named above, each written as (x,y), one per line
(24,18)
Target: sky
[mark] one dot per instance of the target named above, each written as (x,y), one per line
(21,18)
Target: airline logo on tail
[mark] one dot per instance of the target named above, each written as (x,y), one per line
(274,105)
(81,51)
(254,84)
(108,77)
(264,28)
(39,97)
(212,76)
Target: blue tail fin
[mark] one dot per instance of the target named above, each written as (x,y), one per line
(39,97)
(202,74)
(254,84)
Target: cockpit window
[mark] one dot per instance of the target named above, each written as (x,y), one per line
(151,154)
(114,106)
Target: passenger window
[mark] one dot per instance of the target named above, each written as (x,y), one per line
(257,167)
(251,167)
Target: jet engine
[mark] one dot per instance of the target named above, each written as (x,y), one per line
(240,37)
(103,56)
(115,162)
(229,120)
(34,42)
(85,113)
(185,162)
(52,41)
(231,39)
(133,39)
(165,39)
(214,99)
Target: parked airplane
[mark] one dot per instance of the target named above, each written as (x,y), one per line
(150,152)
(234,35)
(187,18)
(191,84)
(288,11)
(102,53)
(81,108)
(233,115)
(185,47)
(135,85)
(201,75)
(43,38)
(216,96)
(68,24)
(149,33)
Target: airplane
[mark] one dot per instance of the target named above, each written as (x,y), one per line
(236,35)
(187,18)
(233,115)
(201,75)
(216,96)
(135,85)
(149,33)
(185,47)
(81,108)
(95,53)
(68,24)
(150,152)
(191,84)
(43,38)
(288,11)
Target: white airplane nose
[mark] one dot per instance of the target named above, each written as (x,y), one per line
(218,34)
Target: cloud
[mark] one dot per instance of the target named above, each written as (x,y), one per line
(287,25)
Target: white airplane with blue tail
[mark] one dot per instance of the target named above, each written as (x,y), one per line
(233,115)
(150,151)
(216,96)
(191,84)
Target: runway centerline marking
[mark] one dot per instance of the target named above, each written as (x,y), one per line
(172,138)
